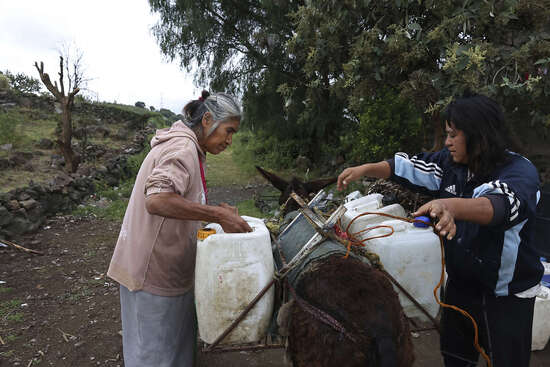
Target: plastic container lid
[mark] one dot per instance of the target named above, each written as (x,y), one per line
(202,234)
(420,224)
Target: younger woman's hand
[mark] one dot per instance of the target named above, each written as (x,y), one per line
(438,209)
(348,175)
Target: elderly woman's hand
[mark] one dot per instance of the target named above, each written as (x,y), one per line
(230,220)
(445,224)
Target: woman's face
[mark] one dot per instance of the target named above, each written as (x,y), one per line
(456,143)
(220,138)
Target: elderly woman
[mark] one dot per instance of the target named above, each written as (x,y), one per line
(487,196)
(154,258)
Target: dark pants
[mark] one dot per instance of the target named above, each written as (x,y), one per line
(504,326)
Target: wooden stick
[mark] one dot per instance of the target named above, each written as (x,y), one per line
(6,242)
(66,335)
(2,341)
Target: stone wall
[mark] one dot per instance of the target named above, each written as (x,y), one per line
(25,209)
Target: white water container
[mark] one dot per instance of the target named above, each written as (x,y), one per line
(412,255)
(355,207)
(369,220)
(231,269)
(541,320)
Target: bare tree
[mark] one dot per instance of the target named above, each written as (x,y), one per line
(75,78)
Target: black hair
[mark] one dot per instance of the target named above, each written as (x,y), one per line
(487,136)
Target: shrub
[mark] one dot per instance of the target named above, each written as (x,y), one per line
(387,124)
(266,150)
(23,83)
(4,82)
(167,113)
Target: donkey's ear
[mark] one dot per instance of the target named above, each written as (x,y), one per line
(279,183)
(316,185)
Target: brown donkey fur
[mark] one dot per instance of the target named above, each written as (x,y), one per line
(362,299)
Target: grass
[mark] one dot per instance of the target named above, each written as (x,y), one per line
(5,290)
(23,127)
(247,207)
(8,308)
(7,354)
(16,317)
(128,108)
(78,294)
(222,170)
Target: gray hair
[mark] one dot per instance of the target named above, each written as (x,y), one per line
(222,106)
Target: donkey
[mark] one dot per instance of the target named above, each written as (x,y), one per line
(303,189)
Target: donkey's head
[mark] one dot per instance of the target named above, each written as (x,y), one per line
(303,189)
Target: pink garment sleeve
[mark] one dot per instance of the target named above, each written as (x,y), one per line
(171,173)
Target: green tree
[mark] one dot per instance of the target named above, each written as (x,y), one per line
(23,83)
(306,68)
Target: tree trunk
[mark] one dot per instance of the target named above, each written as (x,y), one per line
(66,101)
(72,160)
(439,134)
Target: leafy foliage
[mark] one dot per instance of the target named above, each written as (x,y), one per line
(305,68)
(388,124)
(23,83)
(4,82)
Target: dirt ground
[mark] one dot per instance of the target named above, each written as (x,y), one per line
(59,309)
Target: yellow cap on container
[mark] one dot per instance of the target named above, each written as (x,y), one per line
(205,232)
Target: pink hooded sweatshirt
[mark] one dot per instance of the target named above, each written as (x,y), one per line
(154,253)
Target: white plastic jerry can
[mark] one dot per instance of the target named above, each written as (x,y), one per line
(231,269)
(355,207)
(541,320)
(365,221)
(412,255)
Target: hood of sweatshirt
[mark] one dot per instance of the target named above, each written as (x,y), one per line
(177,130)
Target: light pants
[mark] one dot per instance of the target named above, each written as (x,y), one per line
(158,331)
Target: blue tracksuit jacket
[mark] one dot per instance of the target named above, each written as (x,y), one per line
(499,257)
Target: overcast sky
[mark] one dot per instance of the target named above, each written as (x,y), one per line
(120,54)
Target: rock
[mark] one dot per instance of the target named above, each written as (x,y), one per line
(57,161)
(84,170)
(29,204)
(99,131)
(62,180)
(25,102)
(122,134)
(19,226)
(28,167)
(6,147)
(13,205)
(23,196)
(5,216)
(79,133)
(103,203)
(74,195)
(18,160)
(5,163)
(44,144)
